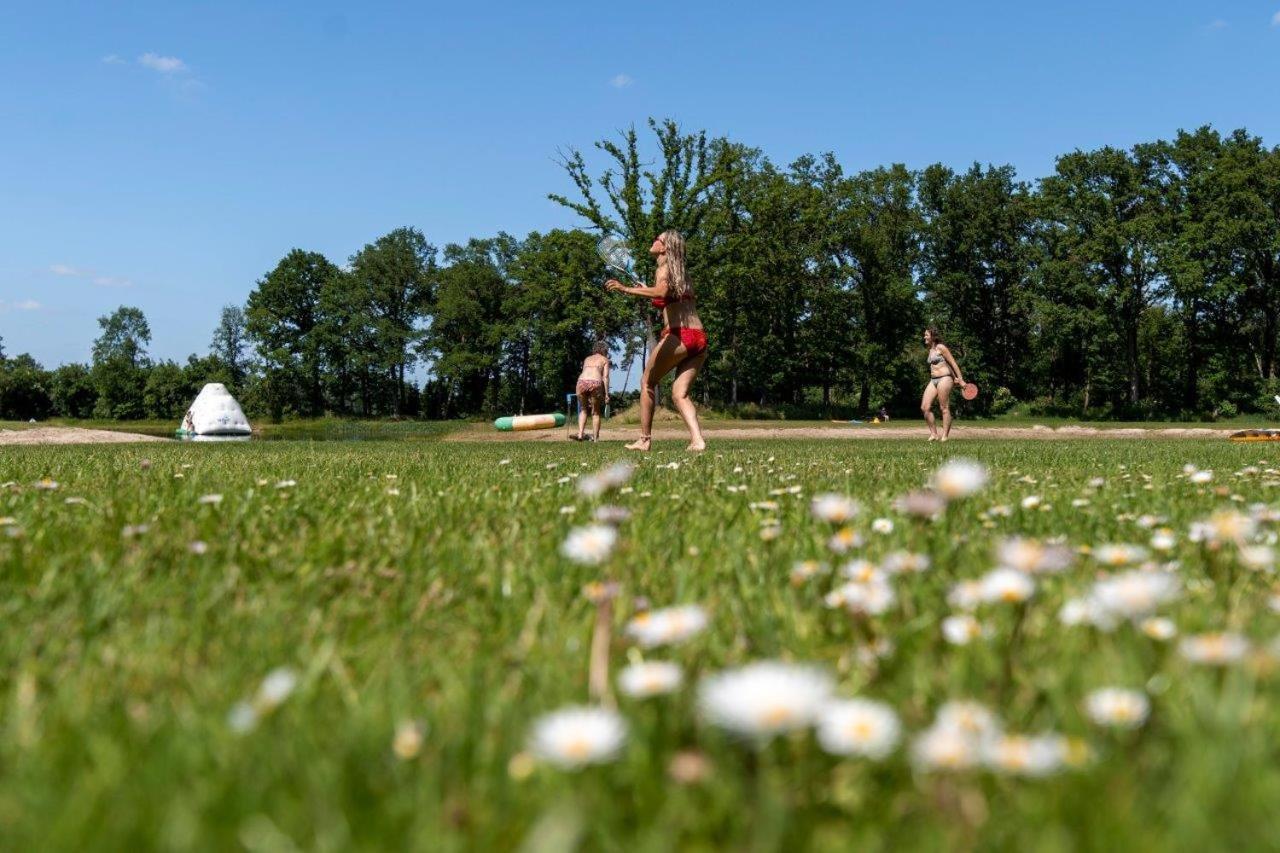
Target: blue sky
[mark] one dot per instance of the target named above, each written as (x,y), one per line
(167,154)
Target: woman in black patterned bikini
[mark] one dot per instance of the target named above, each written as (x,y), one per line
(943,374)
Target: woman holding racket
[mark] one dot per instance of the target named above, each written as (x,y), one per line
(683,346)
(943,374)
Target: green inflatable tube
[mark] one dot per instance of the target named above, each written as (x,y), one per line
(519,423)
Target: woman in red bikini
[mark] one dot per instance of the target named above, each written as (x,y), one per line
(683,346)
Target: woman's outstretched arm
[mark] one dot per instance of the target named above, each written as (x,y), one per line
(640,290)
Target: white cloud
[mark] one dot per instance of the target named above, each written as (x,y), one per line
(112,59)
(1218,24)
(1275,20)
(621,81)
(21,305)
(100,280)
(162,64)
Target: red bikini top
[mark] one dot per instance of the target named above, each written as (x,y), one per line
(661,302)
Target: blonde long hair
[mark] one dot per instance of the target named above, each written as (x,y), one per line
(677,276)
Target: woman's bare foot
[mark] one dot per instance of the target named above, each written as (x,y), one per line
(944,438)
(697,446)
(933,438)
(641,443)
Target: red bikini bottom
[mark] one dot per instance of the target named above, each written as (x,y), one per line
(694,340)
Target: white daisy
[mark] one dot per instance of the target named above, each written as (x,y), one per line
(1022,755)
(1032,556)
(590,545)
(1260,558)
(858,727)
(764,699)
(1031,502)
(1086,611)
(670,625)
(922,504)
(863,571)
(960,478)
(1159,628)
(1228,526)
(971,718)
(883,526)
(1117,707)
(612,515)
(966,595)
(1136,593)
(844,540)
(833,508)
(407,742)
(613,477)
(1164,539)
(575,737)
(1007,585)
(276,687)
(905,563)
(212,500)
(1119,555)
(651,678)
(945,748)
(1214,649)
(242,718)
(805,570)
(961,630)
(863,599)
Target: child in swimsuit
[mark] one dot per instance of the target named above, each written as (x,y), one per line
(593,390)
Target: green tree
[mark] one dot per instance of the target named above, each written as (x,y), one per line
(470,329)
(24,389)
(228,345)
(1107,205)
(558,309)
(976,269)
(644,200)
(167,393)
(72,391)
(396,276)
(871,245)
(280,318)
(120,364)
(1245,226)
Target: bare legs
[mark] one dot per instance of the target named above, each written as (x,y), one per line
(582,421)
(926,409)
(686,372)
(942,394)
(666,356)
(595,422)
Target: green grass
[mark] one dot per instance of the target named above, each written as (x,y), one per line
(449,604)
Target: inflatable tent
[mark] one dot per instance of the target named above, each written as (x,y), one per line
(214,412)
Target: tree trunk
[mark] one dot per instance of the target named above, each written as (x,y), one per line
(1131,352)
(1269,323)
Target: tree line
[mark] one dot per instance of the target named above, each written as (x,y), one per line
(1138,283)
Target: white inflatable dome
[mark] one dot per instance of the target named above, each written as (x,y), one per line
(215,412)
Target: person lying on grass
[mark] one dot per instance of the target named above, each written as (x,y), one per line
(683,346)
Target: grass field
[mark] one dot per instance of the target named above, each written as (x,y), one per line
(415,606)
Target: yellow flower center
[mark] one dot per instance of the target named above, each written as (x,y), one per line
(776,716)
